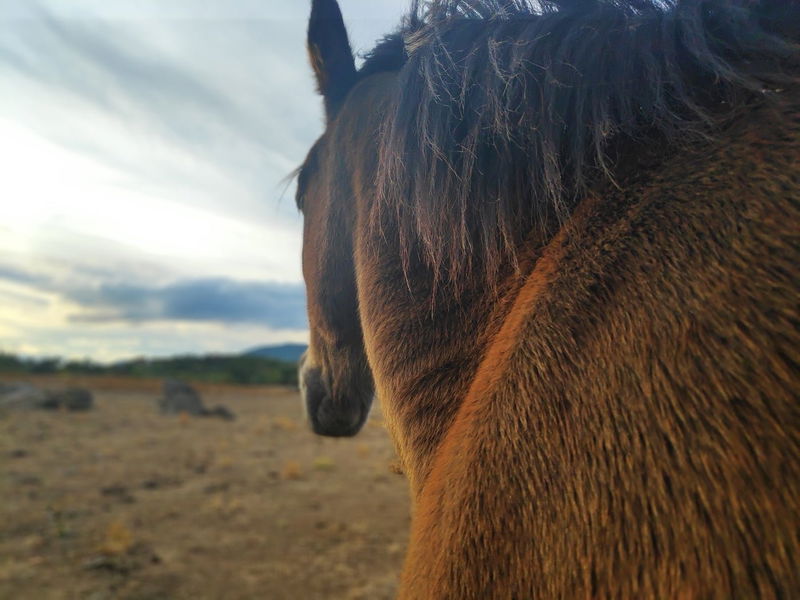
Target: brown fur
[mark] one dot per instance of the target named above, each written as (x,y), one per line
(615,417)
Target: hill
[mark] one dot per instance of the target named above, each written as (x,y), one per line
(285,352)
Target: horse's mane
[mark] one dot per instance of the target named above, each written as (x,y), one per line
(507,110)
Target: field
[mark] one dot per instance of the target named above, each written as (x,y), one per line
(124,503)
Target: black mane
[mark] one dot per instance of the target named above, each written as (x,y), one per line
(506,111)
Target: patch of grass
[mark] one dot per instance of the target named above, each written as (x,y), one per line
(284,424)
(59,522)
(324,463)
(291,471)
(226,506)
(118,539)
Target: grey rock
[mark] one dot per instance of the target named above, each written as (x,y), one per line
(179,397)
(24,396)
(71,399)
(21,396)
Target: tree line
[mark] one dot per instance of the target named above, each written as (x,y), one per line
(235,369)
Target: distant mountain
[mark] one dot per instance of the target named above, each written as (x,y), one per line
(286,352)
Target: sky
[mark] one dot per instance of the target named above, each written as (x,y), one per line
(145,144)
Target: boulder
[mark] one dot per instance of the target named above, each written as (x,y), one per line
(24,396)
(179,397)
(71,399)
(21,396)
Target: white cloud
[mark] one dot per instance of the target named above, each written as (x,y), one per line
(52,194)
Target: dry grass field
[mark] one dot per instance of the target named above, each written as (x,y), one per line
(122,502)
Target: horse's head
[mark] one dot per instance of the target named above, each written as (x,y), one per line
(335,379)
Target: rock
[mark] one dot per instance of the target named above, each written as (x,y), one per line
(180,397)
(27,397)
(21,396)
(72,399)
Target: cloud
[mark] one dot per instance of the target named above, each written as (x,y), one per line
(98,297)
(19,276)
(210,105)
(212,113)
(96,314)
(145,144)
(215,300)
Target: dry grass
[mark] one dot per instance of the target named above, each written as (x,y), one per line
(284,424)
(291,471)
(118,539)
(123,503)
(324,463)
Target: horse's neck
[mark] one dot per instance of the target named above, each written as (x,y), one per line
(424,354)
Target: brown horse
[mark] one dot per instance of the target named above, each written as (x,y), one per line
(560,242)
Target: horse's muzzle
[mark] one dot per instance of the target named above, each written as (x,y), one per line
(329,414)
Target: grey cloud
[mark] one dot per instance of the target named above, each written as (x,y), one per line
(16,275)
(216,300)
(280,306)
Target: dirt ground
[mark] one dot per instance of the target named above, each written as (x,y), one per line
(122,502)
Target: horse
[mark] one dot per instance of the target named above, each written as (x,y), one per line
(559,241)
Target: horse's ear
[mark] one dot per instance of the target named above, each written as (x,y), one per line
(330,53)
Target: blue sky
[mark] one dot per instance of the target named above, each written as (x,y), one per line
(144,146)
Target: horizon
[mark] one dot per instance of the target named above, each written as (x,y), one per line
(145,211)
(127,359)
